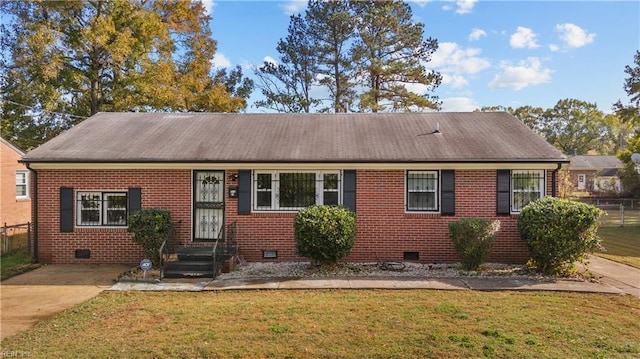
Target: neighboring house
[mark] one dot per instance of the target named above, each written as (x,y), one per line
(405,175)
(15,202)
(595,174)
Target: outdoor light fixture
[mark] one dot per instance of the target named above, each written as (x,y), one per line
(233,177)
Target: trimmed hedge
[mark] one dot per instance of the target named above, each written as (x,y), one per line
(472,239)
(559,232)
(324,234)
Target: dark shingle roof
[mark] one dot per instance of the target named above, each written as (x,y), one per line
(596,163)
(213,137)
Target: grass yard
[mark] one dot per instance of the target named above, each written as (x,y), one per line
(614,217)
(339,324)
(622,244)
(14,263)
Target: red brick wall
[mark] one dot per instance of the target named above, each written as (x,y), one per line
(384,229)
(160,189)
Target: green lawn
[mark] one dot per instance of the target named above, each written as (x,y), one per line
(339,324)
(622,244)
(614,217)
(14,263)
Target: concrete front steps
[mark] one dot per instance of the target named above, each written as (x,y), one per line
(192,262)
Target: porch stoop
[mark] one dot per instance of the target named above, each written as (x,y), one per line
(192,262)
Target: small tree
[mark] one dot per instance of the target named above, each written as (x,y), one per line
(559,232)
(472,239)
(325,234)
(150,227)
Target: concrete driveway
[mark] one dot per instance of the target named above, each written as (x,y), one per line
(37,295)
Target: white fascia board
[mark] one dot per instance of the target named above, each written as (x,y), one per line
(297,166)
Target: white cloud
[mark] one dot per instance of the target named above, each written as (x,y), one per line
(526,73)
(294,7)
(465,6)
(219,60)
(573,35)
(554,47)
(416,88)
(454,80)
(452,58)
(458,104)
(420,3)
(476,34)
(523,38)
(208,6)
(455,63)
(270,60)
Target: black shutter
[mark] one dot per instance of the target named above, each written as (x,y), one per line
(66,209)
(503,195)
(135,199)
(244,192)
(349,189)
(448,201)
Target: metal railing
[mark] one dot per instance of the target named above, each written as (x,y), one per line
(166,248)
(16,237)
(225,247)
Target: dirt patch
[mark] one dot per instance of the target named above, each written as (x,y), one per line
(138,275)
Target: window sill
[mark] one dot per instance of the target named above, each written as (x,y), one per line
(422,214)
(86,229)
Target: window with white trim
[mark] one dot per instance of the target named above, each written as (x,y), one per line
(526,187)
(422,191)
(291,191)
(22,184)
(101,208)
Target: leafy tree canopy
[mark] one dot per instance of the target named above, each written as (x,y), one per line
(63,61)
(573,126)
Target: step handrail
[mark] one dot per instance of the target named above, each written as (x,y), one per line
(163,251)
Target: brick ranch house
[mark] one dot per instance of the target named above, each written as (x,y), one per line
(405,175)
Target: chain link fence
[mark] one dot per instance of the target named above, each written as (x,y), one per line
(16,237)
(619,211)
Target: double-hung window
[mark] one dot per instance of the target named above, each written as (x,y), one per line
(22,184)
(526,186)
(290,191)
(101,208)
(422,191)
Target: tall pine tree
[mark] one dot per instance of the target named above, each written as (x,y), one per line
(331,28)
(367,55)
(390,56)
(286,85)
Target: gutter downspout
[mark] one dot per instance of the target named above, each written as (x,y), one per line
(34,212)
(554,182)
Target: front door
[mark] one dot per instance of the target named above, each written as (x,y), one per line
(208,205)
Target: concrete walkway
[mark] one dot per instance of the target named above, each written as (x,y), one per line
(37,295)
(615,274)
(614,278)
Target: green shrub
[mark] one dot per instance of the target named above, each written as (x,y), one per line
(324,234)
(472,239)
(150,227)
(559,232)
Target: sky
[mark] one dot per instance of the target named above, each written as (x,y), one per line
(491,53)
